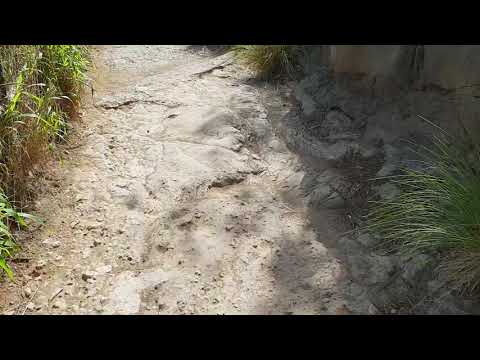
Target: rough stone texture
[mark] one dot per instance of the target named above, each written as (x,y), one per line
(327,192)
(445,66)
(186,200)
(209,195)
(452,66)
(367,99)
(368,240)
(390,61)
(315,58)
(390,70)
(417,268)
(371,269)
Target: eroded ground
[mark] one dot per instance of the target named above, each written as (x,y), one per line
(191,188)
(179,199)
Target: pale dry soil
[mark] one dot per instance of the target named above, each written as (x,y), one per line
(179,198)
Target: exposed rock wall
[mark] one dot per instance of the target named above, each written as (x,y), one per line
(367,98)
(446,66)
(448,73)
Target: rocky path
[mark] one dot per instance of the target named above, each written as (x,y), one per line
(180,199)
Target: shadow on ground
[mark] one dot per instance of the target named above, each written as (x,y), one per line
(372,282)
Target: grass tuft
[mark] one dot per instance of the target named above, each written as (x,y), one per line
(269,61)
(40,88)
(438,210)
(9,219)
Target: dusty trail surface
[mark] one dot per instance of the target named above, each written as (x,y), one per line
(180,199)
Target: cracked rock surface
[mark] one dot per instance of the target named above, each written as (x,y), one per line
(189,187)
(179,199)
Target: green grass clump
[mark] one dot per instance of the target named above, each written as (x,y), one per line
(438,210)
(40,88)
(269,61)
(9,217)
(44,82)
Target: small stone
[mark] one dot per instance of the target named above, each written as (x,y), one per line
(372,310)
(59,257)
(255,156)
(41,264)
(38,307)
(30,306)
(51,243)
(27,292)
(198,273)
(97,242)
(104,269)
(163,248)
(88,275)
(186,220)
(229,227)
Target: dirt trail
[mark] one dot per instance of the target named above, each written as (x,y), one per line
(180,199)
